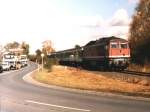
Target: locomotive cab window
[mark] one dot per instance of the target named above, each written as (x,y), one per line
(124,45)
(114,45)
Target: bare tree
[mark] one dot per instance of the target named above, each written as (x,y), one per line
(47,47)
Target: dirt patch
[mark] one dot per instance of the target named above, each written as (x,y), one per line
(82,79)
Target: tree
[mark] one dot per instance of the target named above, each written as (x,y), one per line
(12,45)
(47,47)
(38,55)
(77,46)
(46,50)
(25,48)
(32,58)
(140,33)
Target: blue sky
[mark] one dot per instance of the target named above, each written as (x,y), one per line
(64,22)
(106,8)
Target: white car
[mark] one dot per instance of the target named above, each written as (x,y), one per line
(6,66)
(23,60)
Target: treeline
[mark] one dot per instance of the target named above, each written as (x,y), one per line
(140,33)
(14,45)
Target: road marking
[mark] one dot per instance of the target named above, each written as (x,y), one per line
(58,106)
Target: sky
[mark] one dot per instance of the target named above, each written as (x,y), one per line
(64,22)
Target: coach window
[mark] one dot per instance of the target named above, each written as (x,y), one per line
(124,45)
(114,45)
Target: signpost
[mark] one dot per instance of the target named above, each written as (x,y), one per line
(42,55)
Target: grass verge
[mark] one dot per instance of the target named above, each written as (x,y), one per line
(85,80)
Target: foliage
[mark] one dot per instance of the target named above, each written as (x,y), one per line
(139,68)
(46,50)
(140,33)
(49,63)
(77,46)
(47,47)
(38,56)
(12,45)
(25,48)
(15,45)
(32,58)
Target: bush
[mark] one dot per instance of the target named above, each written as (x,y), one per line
(139,68)
(49,63)
(32,58)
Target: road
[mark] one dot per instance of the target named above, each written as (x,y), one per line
(18,96)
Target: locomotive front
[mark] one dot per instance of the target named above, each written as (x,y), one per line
(119,54)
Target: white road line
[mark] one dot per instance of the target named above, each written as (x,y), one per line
(58,106)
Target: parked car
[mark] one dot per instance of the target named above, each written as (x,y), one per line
(1,69)
(11,59)
(23,60)
(6,66)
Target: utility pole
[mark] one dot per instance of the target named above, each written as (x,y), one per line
(42,55)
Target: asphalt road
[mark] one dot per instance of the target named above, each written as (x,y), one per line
(19,96)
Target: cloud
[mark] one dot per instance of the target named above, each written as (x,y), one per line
(82,29)
(120,18)
(117,25)
(92,21)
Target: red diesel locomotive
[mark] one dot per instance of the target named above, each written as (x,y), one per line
(106,53)
(111,53)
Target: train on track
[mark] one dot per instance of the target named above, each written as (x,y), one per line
(105,53)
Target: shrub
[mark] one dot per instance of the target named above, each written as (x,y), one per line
(49,63)
(139,67)
(32,58)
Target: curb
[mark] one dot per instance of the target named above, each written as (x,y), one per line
(28,78)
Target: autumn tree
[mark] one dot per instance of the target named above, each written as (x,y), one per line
(47,50)
(47,47)
(140,33)
(12,45)
(25,48)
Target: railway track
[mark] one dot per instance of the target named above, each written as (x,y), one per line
(128,72)
(136,73)
(127,76)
